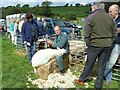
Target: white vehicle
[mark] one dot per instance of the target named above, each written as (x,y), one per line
(8,21)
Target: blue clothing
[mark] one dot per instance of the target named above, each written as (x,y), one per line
(31,51)
(30,34)
(27,31)
(12,27)
(117,20)
(115,52)
(40,26)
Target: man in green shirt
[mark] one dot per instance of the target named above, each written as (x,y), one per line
(61,41)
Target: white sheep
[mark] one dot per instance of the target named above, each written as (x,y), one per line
(43,56)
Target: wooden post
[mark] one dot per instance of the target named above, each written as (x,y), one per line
(73,34)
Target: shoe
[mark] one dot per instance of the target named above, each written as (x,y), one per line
(79,82)
(62,72)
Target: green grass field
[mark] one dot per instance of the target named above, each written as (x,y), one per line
(15,68)
(78,11)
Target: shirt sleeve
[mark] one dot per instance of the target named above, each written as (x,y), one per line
(61,42)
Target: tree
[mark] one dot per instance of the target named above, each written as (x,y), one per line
(71,5)
(46,3)
(77,4)
(18,6)
(66,4)
(46,11)
(25,8)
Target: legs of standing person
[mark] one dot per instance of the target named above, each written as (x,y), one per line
(102,59)
(12,36)
(92,54)
(31,50)
(111,62)
(29,53)
(15,36)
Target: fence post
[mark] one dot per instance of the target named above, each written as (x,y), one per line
(73,35)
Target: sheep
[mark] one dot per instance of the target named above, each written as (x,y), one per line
(43,56)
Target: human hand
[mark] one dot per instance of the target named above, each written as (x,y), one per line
(25,42)
(28,44)
(49,43)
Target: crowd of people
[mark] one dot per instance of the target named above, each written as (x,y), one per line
(102,38)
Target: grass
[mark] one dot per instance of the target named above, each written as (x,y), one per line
(78,11)
(15,68)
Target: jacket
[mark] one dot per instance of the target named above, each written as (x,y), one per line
(100,29)
(27,31)
(61,41)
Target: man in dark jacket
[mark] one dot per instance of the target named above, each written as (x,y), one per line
(99,35)
(30,35)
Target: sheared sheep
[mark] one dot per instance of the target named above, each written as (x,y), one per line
(43,56)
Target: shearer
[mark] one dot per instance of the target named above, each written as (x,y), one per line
(61,41)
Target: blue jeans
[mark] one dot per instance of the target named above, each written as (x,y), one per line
(31,50)
(60,61)
(111,62)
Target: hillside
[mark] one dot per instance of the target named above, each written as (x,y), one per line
(78,11)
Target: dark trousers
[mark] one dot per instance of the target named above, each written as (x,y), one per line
(93,53)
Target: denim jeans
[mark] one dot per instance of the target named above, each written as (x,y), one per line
(111,62)
(93,53)
(31,50)
(60,61)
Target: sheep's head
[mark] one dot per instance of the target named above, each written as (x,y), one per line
(62,51)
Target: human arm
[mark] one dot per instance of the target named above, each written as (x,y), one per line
(87,31)
(60,41)
(23,33)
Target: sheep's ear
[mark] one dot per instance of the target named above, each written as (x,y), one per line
(58,48)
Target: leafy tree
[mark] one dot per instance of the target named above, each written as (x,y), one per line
(25,8)
(37,6)
(71,5)
(66,4)
(18,6)
(46,11)
(46,3)
(77,4)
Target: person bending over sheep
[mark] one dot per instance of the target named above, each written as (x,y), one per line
(61,41)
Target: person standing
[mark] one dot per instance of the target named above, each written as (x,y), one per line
(115,52)
(44,23)
(40,25)
(12,30)
(16,31)
(60,41)
(30,35)
(99,35)
(20,28)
